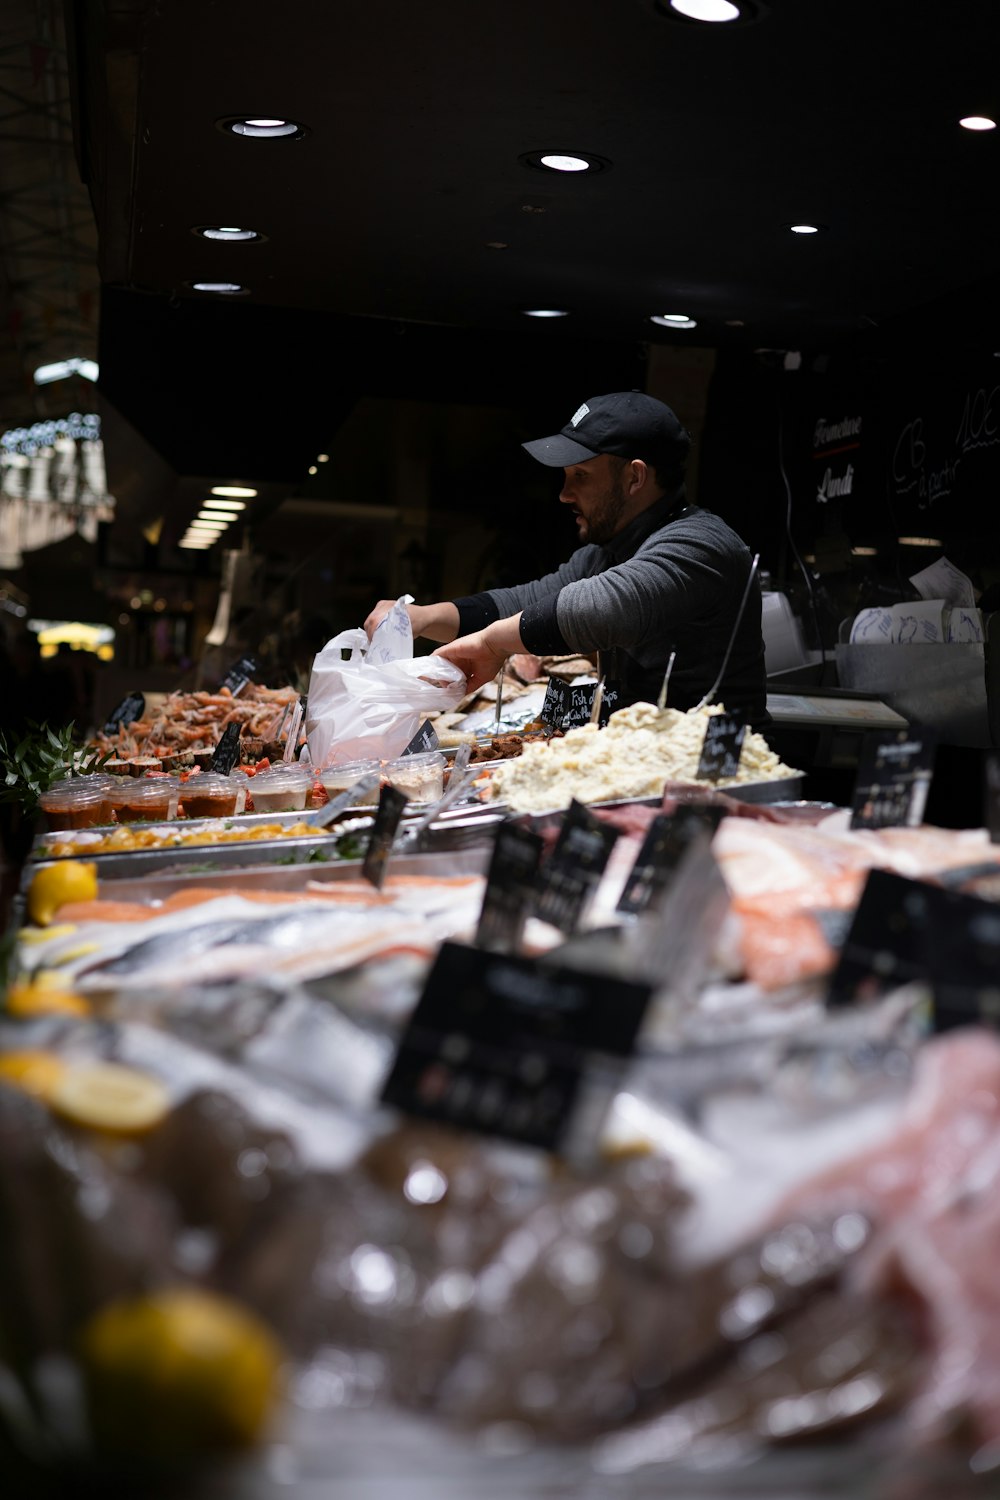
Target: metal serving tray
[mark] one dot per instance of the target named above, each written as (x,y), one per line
(787,790)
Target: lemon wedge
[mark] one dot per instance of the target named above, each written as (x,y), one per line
(177,1371)
(39,998)
(35,1072)
(32,935)
(110,1097)
(53,885)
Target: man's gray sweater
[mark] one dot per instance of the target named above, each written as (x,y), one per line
(671,580)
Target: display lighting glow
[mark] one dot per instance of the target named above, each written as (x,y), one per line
(668,320)
(224,507)
(978,122)
(706,10)
(804,228)
(225,232)
(864,552)
(546,312)
(920,541)
(64,368)
(556,162)
(223,288)
(233,491)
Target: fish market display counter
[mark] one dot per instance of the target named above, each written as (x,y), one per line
(759,1278)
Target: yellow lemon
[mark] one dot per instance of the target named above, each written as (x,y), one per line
(178,1371)
(55,884)
(107,1096)
(41,999)
(35,1072)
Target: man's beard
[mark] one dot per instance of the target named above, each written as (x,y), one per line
(603,523)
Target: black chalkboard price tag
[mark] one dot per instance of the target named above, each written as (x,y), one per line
(510,888)
(907,930)
(391,802)
(227,751)
(556,703)
(240,673)
(129,709)
(992,789)
(894,777)
(506,1046)
(570,875)
(424,740)
(667,838)
(722,747)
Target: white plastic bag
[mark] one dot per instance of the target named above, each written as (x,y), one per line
(374,703)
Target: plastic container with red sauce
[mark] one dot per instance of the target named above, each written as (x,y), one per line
(282,789)
(80,802)
(209,795)
(149,801)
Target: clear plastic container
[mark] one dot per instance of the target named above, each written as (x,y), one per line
(336,779)
(421,777)
(151,801)
(83,802)
(282,789)
(209,795)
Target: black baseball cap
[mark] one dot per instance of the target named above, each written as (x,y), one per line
(627,423)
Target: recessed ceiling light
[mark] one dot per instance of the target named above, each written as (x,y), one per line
(805,228)
(191,544)
(675,317)
(207,526)
(223,506)
(864,552)
(313,469)
(978,122)
(573,162)
(222,288)
(706,10)
(735,323)
(546,312)
(233,491)
(920,541)
(226,232)
(322,458)
(63,368)
(263,127)
(220,522)
(672,320)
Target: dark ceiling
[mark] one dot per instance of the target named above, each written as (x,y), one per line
(398,201)
(407,207)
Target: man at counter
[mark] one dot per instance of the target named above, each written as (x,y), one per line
(654,574)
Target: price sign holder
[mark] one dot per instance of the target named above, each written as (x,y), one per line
(992,790)
(227,751)
(424,740)
(907,931)
(510,888)
(722,747)
(667,839)
(568,707)
(129,709)
(391,802)
(893,779)
(240,673)
(570,875)
(672,944)
(506,1046)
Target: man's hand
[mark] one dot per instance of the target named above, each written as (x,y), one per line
(439,622)
(481,655)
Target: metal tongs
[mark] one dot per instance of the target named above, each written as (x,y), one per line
(324,816)
(710,695)
(598,703)
(661,701)
(461,778)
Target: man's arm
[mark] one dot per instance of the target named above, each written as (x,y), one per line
(481,655)
(438,622)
